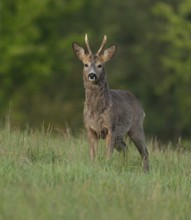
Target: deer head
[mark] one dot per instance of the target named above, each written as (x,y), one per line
(93,63)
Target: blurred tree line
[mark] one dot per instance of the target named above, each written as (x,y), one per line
(41,80)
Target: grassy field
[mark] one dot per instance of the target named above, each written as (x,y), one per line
(45,176)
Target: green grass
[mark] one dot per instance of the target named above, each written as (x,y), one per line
(45,176)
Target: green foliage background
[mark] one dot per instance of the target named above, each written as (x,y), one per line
(41,80)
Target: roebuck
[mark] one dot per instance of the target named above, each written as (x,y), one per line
(109,114)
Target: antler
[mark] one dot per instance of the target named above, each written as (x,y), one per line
(102,45)
(87,44)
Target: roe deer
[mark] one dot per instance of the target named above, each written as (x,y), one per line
(109,114)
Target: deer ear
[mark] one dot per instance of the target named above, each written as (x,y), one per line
(79,51)
(108,53)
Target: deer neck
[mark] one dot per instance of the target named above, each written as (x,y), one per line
(97,96)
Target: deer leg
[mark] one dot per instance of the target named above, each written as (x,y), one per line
(110,141)
(120,145)
(139,140)
(93,142)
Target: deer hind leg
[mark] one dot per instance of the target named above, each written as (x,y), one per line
(138,138)
(120,145)
(93,142)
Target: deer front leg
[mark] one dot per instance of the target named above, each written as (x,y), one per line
(93,142)
(110,141)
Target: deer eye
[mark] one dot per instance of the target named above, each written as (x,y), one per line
(86,65)
(99,66)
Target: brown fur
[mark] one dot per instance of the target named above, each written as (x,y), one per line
(110,114)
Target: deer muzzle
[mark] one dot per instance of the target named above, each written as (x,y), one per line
(92,77)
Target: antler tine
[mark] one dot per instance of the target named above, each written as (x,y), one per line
(102,44)
(87,44)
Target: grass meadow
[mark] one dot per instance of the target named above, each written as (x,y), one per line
(45,176)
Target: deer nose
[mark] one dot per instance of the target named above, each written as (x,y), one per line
(92,77)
